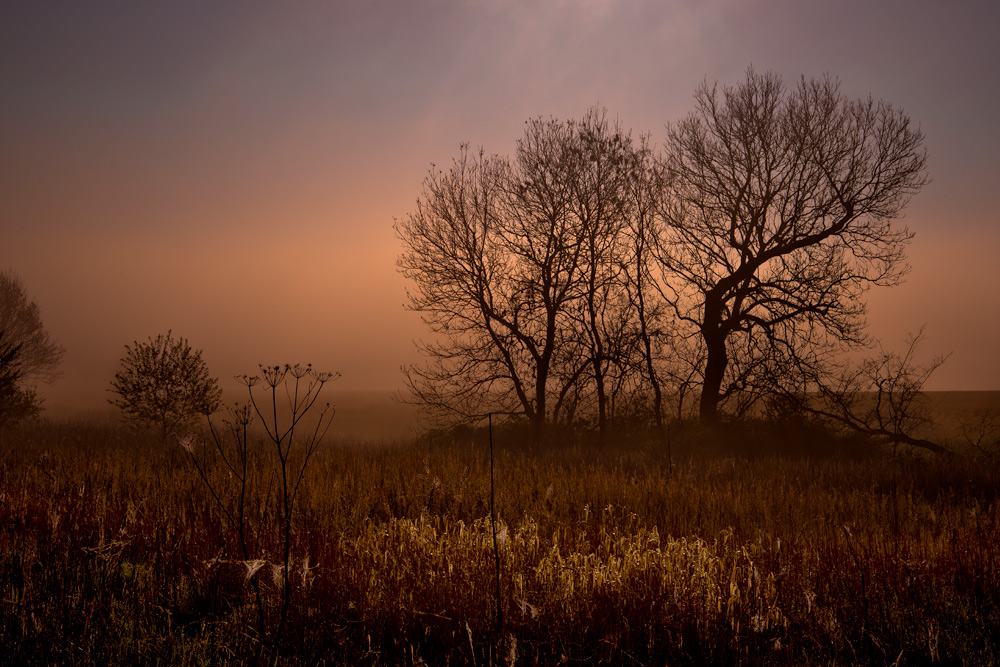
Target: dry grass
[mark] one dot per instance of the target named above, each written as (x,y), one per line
(112,552)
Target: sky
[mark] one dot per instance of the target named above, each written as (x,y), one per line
(231,171)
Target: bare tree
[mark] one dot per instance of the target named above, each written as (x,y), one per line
(495,269)
(643,291)
(10,374)
(164,384)
(881,397)
(21,321)
(454,253)
(605,201)
(777,216)
(17,403)
(516,267)
(981,431)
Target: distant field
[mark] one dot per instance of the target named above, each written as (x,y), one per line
(950,406)
(374,416)
(369,416)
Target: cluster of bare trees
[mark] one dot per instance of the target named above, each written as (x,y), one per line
(594,277)
(526,268)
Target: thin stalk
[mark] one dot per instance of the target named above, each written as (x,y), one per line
(496,551)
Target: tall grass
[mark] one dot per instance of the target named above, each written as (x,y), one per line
(113,551)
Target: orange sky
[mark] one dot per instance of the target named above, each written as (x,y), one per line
(231,170)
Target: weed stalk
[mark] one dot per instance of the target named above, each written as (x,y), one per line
(496,551)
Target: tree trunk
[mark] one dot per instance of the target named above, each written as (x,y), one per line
(654,381)
(715,371)
(602,400)
(541,409)
(539,417)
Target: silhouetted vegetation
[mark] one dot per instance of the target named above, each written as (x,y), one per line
(294,427)
(523,268)
(113,551)
(17,403)
(590,275)
(778,214)
(164,384)
(27,353)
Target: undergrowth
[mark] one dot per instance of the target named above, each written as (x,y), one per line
(113,552)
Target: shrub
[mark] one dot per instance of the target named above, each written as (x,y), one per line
(164,384)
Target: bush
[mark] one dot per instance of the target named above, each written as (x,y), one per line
(164,384)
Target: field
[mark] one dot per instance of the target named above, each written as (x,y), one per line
(113,550)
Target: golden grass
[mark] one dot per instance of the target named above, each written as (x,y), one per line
(111,551)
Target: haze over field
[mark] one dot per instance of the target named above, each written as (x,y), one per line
(232,171)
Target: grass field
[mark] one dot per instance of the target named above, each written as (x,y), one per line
(113,551)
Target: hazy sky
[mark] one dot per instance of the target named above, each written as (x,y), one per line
(231,170)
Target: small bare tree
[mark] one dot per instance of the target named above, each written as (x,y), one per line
(981,431)
(164,384)
(881,397)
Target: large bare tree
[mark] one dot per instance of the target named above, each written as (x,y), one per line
(778,214)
